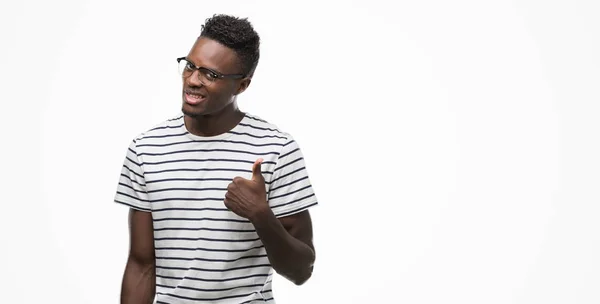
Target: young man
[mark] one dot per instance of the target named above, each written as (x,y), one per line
(218,198)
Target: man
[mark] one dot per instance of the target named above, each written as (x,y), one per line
(218,198)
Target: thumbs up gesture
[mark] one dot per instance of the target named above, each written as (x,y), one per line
(248,198)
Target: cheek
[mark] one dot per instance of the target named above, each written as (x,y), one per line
(219,94)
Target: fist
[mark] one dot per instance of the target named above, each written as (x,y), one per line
(248,197)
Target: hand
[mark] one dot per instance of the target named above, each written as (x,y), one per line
(248,198)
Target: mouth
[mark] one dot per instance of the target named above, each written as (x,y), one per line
(193,98)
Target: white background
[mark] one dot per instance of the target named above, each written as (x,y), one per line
(453,145)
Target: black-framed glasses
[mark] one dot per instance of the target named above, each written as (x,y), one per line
(205,75)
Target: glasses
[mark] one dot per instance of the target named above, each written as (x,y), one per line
(205,75)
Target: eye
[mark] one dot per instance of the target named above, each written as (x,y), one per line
(210,75)
(190,67)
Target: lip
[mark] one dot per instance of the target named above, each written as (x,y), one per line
(193,101)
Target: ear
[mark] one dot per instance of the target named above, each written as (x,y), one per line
(243,85)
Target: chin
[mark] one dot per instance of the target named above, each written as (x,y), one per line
(194,114)
(196,111)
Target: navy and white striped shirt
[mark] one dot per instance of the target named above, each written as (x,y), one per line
(205,252)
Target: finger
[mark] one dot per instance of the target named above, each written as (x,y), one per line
(256,170)
(232,198)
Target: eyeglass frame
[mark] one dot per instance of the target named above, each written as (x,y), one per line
(217,74)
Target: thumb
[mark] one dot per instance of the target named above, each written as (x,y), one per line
(256,170)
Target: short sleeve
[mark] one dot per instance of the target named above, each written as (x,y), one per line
(290,190)
(131,190)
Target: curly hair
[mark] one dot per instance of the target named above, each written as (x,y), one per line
(236,34)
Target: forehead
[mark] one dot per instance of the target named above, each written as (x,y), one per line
(211,54)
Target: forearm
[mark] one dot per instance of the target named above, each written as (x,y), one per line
(139,283)
(290,257)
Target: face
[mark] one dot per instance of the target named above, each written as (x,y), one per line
(200,99)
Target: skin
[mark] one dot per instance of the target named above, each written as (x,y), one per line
(288,240)
(139,279)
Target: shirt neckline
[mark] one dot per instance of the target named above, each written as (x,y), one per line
(234,130)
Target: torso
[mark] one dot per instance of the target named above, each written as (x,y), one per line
(205,252)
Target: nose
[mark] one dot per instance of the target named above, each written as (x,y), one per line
(193,80)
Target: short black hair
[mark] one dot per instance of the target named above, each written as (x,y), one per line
(237,34)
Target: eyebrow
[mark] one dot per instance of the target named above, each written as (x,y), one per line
(205,67)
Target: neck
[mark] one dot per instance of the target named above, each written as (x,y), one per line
(215,123)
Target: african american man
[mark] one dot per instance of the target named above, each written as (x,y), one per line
(218,198)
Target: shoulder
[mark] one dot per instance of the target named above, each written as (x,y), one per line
(166,128)
(263,128)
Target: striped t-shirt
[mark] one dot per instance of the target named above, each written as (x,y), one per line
(205,252)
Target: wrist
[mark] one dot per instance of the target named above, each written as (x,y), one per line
(262,214)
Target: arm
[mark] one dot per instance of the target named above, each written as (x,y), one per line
(288,242)
(139,279)
(281,217)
